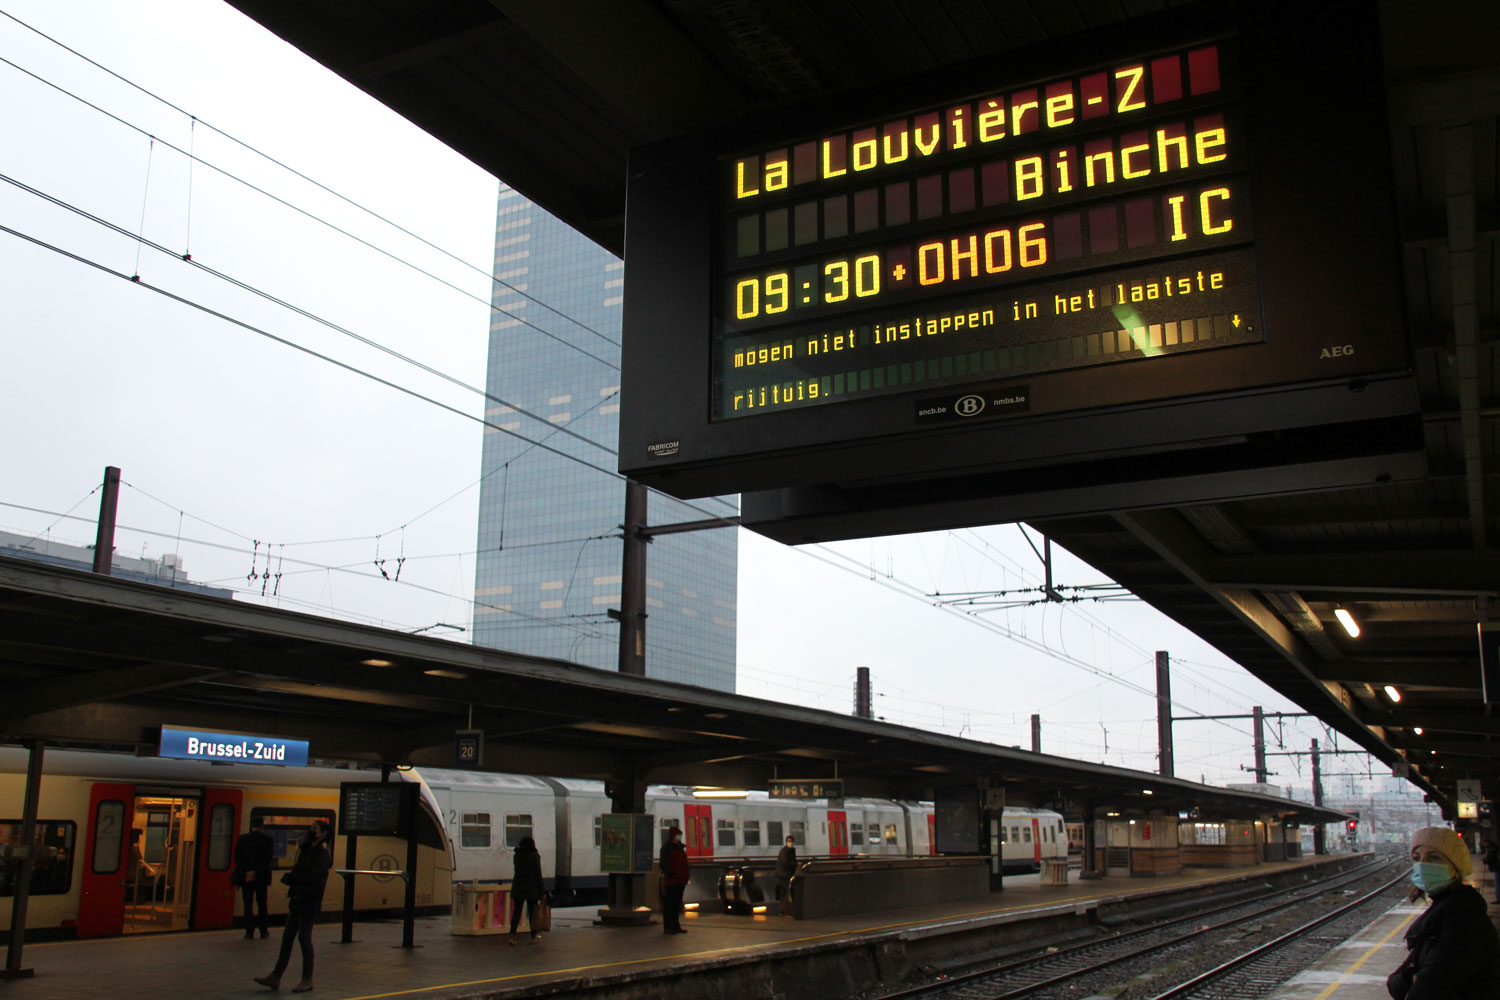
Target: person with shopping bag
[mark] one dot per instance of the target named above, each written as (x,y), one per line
(528,887)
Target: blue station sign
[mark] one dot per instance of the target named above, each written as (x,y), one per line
(237,748)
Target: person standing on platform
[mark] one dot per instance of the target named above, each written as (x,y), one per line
(786,867)
(1453,950)
(305,883)
(252,873)
(527,887)
(674,879)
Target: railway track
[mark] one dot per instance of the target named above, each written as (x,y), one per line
(1226,948)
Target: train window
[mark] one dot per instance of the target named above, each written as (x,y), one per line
(1026,834)
(517,826)
(1015,835)
(109,834)
(1004,834)
(890,834)
(773,832)
(667,822)
(220,836)
(857,835)
(799,833)
(752,832)
(286,826)
(726,833)
(474,830)
(52,865)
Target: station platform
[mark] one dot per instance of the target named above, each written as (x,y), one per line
(727,955)
(1356,969)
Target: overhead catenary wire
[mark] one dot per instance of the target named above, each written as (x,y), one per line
(195,121)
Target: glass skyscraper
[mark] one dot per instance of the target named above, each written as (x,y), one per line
(549,548)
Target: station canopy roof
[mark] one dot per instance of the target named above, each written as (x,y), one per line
(551,97)
(94,662)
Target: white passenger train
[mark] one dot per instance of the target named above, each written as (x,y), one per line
(131,844)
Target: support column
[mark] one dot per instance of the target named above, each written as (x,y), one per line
(1164,713)
(633,582)
(22,897)
(1036,734)
(1260,744)
(104,536)
(627,893)
(1090,846)
(1319,844)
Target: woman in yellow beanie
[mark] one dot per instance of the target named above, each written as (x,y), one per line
(1453,950)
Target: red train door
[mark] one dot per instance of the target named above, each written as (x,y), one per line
(219,824)
(1036,843)
(838,832)
(931,833)
(698,837)
(106,858)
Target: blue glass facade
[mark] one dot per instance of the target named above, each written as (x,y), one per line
(548,564)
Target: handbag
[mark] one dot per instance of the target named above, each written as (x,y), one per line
(1398,983)
(541,916)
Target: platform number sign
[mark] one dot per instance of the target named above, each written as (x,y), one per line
(468,748)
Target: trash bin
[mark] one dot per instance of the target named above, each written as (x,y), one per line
(481,909)
(1054,872)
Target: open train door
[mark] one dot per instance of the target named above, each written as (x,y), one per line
(213,896)
(101,900)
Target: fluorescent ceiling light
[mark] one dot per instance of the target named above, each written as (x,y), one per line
(1418,730)
(376,663)
(1392,693)
(1347,620)
(720,793)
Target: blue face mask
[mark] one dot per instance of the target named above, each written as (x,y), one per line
(1430,876)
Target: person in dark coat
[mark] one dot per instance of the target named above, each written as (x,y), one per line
(673,863)
(527,887)
(1453,950)
(305,883)
(786,867)
(1492,862)
(252,873)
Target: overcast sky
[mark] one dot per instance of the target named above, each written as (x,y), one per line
(237,449)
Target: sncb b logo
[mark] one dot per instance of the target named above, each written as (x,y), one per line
(968,406)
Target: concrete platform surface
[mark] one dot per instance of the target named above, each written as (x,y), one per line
(1356,968)
(576,953)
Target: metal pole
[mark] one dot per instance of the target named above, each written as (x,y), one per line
(104,538)
(22,895)
(1036,734)
(351,856)
(1164,712)
(1260,744)
(409,904)
(633,583)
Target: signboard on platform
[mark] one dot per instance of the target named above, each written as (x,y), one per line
(231,748)
(809,788)
(625,845)
(379,809)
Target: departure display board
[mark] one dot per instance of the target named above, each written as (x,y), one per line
(951,245)
(1129,267)
(382,809)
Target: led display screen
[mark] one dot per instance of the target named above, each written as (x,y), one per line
(963,243)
